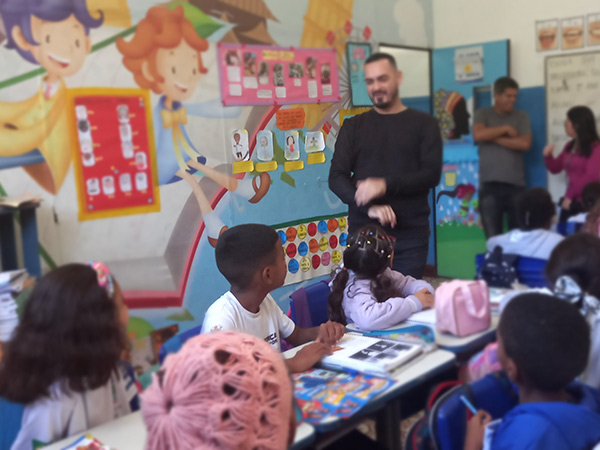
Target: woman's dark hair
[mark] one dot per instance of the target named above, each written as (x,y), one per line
(577,256)
(535,209)
(368,254)
(70,333)
(584,124)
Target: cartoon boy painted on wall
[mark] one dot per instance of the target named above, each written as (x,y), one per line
(165,55)
(53,34)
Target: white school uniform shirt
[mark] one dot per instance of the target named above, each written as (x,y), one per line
(537,243)
(62,415)
(269,323)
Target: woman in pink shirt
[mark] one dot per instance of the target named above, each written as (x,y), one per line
(580,158)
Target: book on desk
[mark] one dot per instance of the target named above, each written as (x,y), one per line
(370,354)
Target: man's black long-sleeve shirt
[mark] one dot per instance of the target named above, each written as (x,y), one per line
(405,149)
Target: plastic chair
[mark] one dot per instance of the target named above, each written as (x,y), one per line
(309,305)
(174,344)
(12,417)
(447,421)
(530,271)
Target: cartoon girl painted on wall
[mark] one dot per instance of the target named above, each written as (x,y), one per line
(165,55)
(53,34)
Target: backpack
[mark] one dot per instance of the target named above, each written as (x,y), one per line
(462,307)
(443,427)
(498,269)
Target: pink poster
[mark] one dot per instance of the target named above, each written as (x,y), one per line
(266,75)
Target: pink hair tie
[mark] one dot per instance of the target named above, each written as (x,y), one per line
(105,278)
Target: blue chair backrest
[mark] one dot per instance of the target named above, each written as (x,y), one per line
(530,271)
(448,419)
(309,305)
(174,344)
(568,228)
(12,418)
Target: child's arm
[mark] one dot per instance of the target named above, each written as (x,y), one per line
(368,314)
(476,430)
(328,333)
(307,357)
(407,284)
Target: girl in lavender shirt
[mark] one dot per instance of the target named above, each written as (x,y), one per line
(367,291)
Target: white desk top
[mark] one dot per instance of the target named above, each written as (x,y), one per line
(129,433)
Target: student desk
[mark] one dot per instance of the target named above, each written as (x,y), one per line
(129,433)
(462,347)
(386,406)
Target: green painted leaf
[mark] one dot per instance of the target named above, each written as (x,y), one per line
(287,178)
(184,316)
(204,24)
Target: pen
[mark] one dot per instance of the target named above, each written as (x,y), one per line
(468,404)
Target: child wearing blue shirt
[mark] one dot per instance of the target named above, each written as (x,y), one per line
(543,345)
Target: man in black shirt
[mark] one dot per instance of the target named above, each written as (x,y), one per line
(385,162)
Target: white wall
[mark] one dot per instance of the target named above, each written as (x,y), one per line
(459,22)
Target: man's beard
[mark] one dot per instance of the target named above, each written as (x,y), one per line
(381,104)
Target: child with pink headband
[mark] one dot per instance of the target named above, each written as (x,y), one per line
(62,373)
(223,390)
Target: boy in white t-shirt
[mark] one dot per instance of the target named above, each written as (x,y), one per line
(252,259)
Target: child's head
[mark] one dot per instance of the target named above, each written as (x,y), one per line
(577,256)
(223,390)
(590,195)
(51,33)
(71,332)
(369,252)
(165,53)
(289,140)
(535,209)
(251,254)
(543,342)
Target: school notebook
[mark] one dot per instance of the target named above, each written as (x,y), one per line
(370,355)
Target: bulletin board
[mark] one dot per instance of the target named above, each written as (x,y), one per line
(267,75)
(571,80)
(313,246)
(114,156)
(357,54)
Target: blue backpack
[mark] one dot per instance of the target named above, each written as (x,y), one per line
(498,268)
(443,427)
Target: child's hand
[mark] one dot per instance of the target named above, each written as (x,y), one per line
(330,332)
(548,150)
(308,356)
(426,298)
(476,430)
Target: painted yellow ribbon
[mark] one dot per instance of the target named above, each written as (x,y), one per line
(174,120)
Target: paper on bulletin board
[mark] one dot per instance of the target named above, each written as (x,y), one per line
(115,155)
(313,247)
(468,64)
(357,54)
(267,75)
(289,119)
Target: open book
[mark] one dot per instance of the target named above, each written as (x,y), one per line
(21,201)
(370,354)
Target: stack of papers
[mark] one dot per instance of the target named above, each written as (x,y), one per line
(8,317)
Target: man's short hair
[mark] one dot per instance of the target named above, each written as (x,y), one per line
(379,56)
(504,83)
(534,208)
(547,338)
(244,250)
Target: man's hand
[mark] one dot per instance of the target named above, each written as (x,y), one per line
(476,430)
(369,189)
(330,332)
(566,203)
(308,356)
(426,298)
(511,131)
(548,150)
(384,214)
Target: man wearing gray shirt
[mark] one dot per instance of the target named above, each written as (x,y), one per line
(503,134)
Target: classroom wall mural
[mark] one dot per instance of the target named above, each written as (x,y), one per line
(111,111)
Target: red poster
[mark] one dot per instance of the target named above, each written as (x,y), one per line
(114,155)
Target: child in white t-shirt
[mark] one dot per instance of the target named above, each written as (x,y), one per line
(252,259)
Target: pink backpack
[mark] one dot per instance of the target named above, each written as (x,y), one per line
(462,307)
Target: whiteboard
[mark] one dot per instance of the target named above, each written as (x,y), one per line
(571,80)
